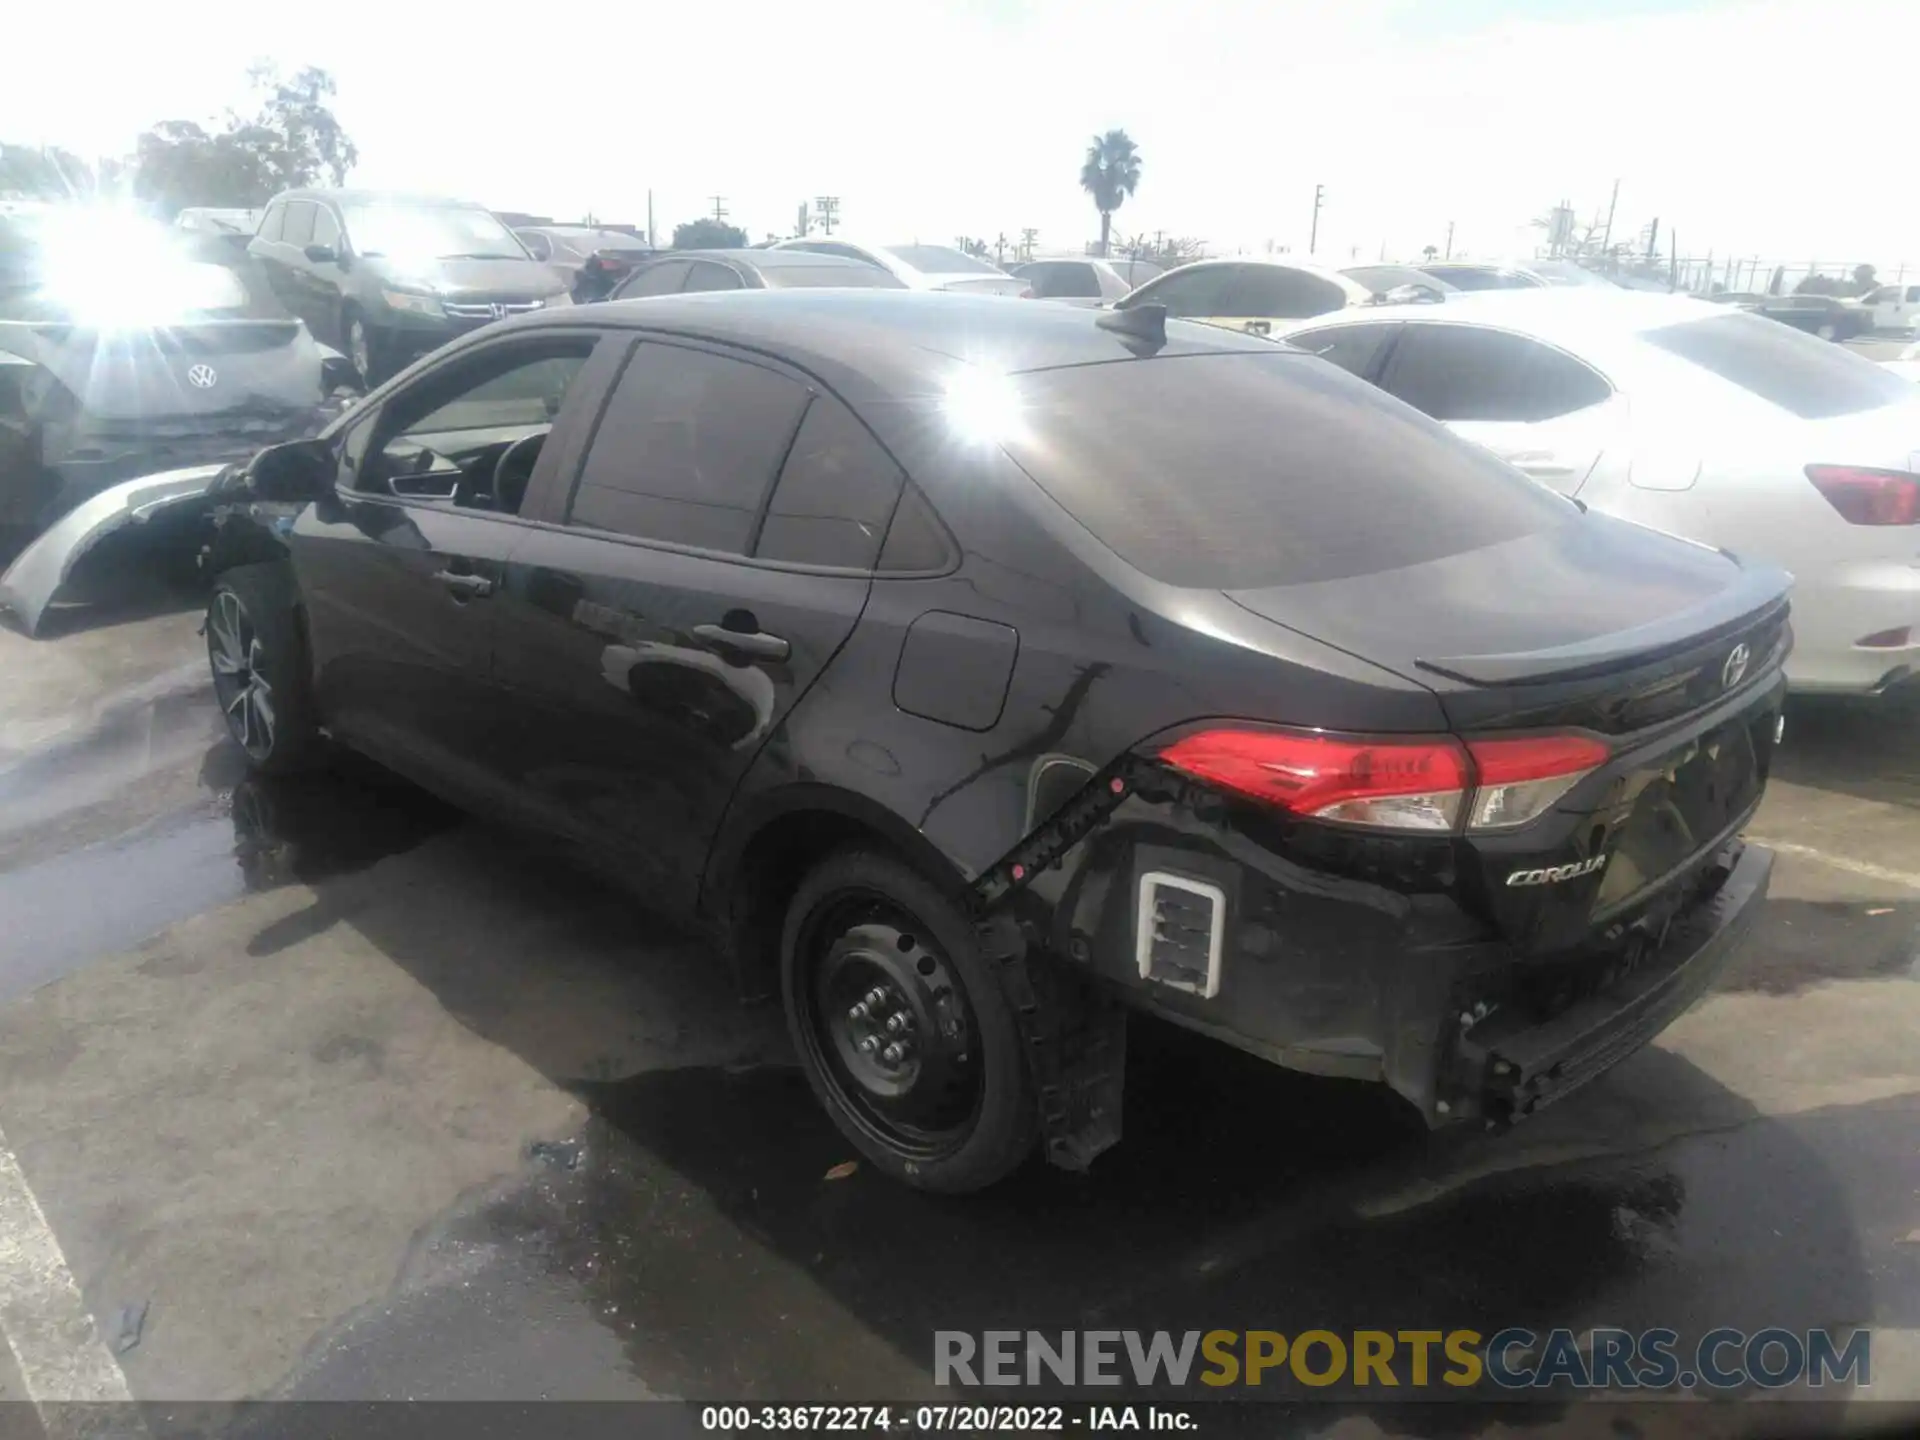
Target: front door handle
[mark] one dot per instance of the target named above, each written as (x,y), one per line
(756,643)
(465,585)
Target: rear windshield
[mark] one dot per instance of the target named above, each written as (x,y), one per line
(830,277)
(939,260)
(1247,471)
(1804,376)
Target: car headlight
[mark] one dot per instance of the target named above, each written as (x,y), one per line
(413,304)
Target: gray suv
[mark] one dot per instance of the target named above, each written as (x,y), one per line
(390,277)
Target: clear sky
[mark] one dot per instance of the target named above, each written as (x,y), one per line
(1774,127)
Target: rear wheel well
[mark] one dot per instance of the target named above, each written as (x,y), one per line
(769,871)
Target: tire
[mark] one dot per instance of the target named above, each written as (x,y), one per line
(964,1113)
(261,680)
(1828,331)
(369,351)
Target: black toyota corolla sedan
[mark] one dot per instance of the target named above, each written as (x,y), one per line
(977,672)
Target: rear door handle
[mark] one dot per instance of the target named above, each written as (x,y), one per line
(475,585)
(756,643)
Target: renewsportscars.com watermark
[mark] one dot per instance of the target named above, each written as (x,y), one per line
(1441,1360)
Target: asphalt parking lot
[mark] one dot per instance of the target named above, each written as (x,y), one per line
(324,1091)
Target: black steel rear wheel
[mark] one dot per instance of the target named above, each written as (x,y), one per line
(901,1027)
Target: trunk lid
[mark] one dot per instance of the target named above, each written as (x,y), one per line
(1669,650)
(194,368)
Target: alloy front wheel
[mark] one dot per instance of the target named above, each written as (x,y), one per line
(240,682)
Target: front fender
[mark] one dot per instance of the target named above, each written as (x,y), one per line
(37,575)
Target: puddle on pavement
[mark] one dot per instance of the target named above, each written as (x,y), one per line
(59,913)
(1800,943)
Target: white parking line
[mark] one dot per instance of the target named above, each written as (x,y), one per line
(60,1355)
(1865,868)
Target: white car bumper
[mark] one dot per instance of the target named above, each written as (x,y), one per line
(1833,612)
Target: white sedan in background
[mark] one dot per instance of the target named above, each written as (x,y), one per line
(921,267)
(1716,425)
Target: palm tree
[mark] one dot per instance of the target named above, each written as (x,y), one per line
(1110,174)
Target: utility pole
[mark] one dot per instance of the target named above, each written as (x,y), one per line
(827,207)
(719,209)
(1000,248)
(1449,254)
(1606,240)
(650,244)
(1313,235)
(1027,238)
(800,222)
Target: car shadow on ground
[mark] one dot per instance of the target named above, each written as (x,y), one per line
(1868,749)
(706,1216)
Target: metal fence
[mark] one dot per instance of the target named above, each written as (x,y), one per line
(1707,274)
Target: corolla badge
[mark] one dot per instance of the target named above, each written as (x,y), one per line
(1735,670)
(1554,874)
(203,377)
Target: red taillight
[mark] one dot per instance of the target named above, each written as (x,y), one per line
(1869,497)
(1405,784)
(1409,784)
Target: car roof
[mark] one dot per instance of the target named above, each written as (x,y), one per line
(892,343)
(1353,288)
(345,196)
(1559,314)
(772,259)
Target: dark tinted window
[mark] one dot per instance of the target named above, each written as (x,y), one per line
(1061,279)
(1275,292)
(1804,376)
(709,276)
(834,496)
(664,278)
(687,448)
(916,541)
(298,229)
(1353,348)
(1459,372)
(1240,471)
(1191,293)
(271,223)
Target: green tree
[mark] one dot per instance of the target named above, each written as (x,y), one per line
(1110,173)
(1864,278)
(708,234)
(291,138)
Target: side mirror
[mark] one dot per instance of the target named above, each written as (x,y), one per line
(290,474)
(321,254)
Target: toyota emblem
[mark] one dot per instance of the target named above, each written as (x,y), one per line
(202,377)
(1735,670)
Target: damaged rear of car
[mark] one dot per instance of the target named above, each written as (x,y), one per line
(129,351)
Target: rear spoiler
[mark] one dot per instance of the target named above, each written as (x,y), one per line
(1758,592)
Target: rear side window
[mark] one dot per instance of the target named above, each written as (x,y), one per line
(829,277)
(687,448)
(1354,348)
(708,276)
(1192,294)
(1461,372)
(1804,376)
(1247,470)
(835,494)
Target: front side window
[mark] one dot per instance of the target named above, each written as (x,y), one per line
(687,449)
(835,494)
(1061,280)
(326,230)
(444,434)
(1463,372)
(299,223)
(273,223)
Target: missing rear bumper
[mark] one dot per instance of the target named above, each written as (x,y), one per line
(1508,1067)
